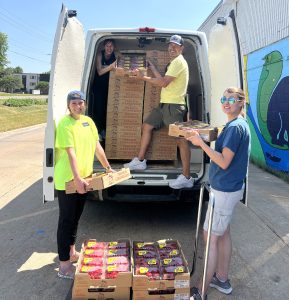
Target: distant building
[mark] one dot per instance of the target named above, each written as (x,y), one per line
(29,81)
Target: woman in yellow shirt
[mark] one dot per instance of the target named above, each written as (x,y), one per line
(76,143)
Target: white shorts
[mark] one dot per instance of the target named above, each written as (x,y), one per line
(225,203)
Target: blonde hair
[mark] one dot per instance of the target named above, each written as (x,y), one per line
(241,96)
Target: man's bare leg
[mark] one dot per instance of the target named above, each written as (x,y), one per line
(185,154)
(145,140)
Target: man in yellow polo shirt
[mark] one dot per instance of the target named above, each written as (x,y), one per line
(172,108)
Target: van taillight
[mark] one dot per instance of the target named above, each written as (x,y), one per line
(147,29)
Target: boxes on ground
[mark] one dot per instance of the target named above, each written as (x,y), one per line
(100,293)
(99,181)
(160,271)
(167,294)
(103,271)
(108,270)
(207,132)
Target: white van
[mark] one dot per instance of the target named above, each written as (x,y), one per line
(212,69)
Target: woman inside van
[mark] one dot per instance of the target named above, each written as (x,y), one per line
(227,173)
(105,62)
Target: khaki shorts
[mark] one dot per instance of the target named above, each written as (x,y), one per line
(166,114)
(225,203)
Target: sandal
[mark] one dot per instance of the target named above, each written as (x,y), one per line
(66,274)
(74,258)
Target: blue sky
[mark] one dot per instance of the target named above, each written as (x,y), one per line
(30,25)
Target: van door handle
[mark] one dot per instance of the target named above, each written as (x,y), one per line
(49,157)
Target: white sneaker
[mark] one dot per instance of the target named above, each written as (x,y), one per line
(136,164)
(181,182)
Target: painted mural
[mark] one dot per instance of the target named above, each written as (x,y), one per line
(267,82)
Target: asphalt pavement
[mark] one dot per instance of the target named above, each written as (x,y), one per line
(260,231)
(260,236)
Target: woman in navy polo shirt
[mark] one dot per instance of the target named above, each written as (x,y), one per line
(228,170)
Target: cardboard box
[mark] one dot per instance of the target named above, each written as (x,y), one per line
(85,287)
(181,281)
(207,132)
(99,293)
(129,61)
(142,282)
(162,146)
(100,181)
(165,294)
(120,71)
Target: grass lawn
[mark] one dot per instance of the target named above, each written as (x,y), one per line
(23,116)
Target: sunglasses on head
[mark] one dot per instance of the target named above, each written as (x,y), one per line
(230,100)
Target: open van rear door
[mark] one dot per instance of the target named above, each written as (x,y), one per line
(225,66)
(66,70)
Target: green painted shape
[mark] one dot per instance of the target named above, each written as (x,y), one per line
(256,149)
(270,75)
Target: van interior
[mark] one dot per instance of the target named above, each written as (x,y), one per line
(140,43)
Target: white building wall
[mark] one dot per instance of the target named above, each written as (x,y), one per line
(32,80)
(259,22)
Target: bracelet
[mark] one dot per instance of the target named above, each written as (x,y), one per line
(107,168)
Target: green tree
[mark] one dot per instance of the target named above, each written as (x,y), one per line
(18,70)
(3,50)
(10,83)
(8,71)
(43,86)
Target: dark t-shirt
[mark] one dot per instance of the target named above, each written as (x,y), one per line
(105,63)
(101,93)
(236,137)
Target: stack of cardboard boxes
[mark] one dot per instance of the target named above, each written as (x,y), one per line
(160,271)
(150,270)
(103,271)
(129,103)
(124,117)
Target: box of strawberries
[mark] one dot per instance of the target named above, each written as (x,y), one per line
(183,129)
(103,269)
(159,268)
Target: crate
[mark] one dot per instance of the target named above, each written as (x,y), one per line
(162,146)
(130,61)
(182,129)
(117,288)
(99,293)
(99,181)
(181,282)
(124,280)
(165,294)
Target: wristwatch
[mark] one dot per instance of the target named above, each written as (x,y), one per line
(107,168)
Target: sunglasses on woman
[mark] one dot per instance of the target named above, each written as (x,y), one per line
(230,100)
